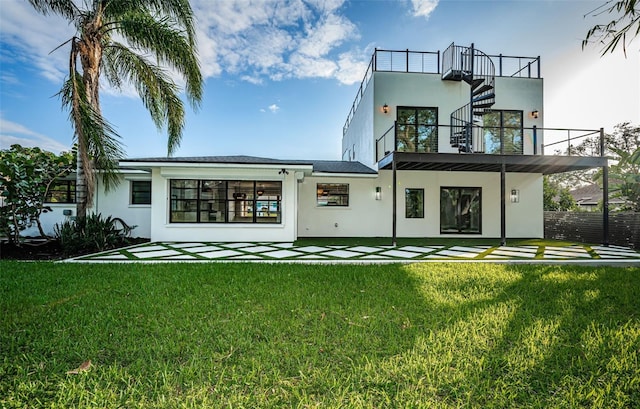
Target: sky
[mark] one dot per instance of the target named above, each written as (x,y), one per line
(281,75)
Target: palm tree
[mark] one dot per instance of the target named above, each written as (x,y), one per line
(158,36)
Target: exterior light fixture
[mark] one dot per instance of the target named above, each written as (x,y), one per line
(515,196)
(378,193)
(535,114)
(385,108)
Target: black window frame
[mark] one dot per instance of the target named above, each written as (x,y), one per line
(135,193)
(458,216)
(326,191)
(431,142)
(419,214)
(218,208)
(64,187)
(501,134)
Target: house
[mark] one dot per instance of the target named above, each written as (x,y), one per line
(436,144)
(588,198)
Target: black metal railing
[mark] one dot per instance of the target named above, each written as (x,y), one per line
(429,62)
(490,140)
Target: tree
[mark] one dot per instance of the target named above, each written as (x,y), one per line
(555,197)
(26,174)
(158,35)
(626,20)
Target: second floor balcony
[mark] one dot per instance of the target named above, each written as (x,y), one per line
(485,148)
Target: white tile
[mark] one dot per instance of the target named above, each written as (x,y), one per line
(182,257)
(258,249)
(338,247)
(220,254)
(491,256)
(342,253)
(246,257)
(146,248)
(456,254)
(311,257)
(364,249)
(236,245)
(571,254)
(110,257)
(161,253)
(464,249)
(311,249)
(519,249)
(282,253)
(417,249)
(283,245)
(513,253)
(400,254)
(202,249)
(183,245)
(375,257)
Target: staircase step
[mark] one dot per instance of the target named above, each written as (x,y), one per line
(483,105)
(476,82)
(483,98)
(484,88)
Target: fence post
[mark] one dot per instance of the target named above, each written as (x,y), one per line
(605,191)
(535,140)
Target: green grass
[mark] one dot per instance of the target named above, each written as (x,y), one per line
(259,335)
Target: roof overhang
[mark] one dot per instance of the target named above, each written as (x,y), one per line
(489,163)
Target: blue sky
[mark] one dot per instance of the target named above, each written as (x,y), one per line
(282,75)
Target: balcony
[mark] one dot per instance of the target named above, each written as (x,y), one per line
(434,62)
(407,147)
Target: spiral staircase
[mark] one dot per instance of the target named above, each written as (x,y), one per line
(476,69)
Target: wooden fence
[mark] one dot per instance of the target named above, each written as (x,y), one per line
(586,227)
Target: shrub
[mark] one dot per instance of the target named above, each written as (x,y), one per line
(92,233)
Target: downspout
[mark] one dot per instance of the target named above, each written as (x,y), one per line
(605,192)
(394,241)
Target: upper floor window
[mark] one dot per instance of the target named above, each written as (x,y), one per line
(503,126)
(332,194)
(62,191)
(417,129)
(140,192)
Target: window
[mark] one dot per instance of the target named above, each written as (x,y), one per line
(414,203)
(225,201)
(140,192)
(417,129)
(506,126)
(460,210)
(62,191)
(332,194)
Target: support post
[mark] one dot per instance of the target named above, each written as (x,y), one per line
(605,192)
(394,241)
(503,207)
(535,140)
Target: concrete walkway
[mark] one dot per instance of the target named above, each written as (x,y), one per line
(288,252)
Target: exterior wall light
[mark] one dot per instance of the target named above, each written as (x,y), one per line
(378,193)
(385,108)
(535,114)
(515,196)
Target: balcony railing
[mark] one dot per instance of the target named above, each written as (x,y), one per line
(430,62)
(487,140)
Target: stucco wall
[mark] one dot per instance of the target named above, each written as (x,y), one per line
(367,217)
(117,203)
(162,230)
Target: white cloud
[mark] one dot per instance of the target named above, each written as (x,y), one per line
(14,133)
(424,8)
(274,108)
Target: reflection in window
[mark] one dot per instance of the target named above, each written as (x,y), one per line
(140,192)
(221,201)
(417,129)
(460,209)
(62,191)
(332,194)
(505,125)
(414,203)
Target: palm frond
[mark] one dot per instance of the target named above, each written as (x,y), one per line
(64,8)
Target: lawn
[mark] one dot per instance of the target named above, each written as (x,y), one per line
(291,335)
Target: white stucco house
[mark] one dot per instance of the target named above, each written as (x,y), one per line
(436,144)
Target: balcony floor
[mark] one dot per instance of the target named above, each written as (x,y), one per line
(465,162)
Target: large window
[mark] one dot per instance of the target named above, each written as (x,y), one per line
(414,203)
(417,129)
(332,194)
(140,192)
(505,126)
(62,191)
(460,210)
(222,201)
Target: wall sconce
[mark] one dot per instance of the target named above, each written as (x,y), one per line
(378,193)
(534,114)
(515,196)
(385,108)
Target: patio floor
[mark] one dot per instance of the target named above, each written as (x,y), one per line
(274,252)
